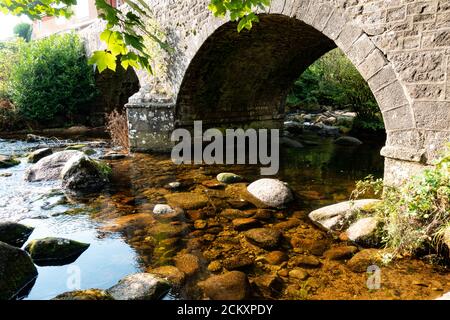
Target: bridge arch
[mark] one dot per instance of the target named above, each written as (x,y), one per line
(405,64)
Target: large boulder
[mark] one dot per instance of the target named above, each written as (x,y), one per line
(38,154)
(55,251)
(273,193)
(264,237)
(90,294)
(232,285)
(16,271)
(50,167)
(339,216)
(140,286)
(14,234)
(7,162)
(83,174)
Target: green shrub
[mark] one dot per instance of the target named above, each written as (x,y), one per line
(23,30)
(9,52)
(415,214)
(334,81)
(51,78)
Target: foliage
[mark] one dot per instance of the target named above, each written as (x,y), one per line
(9,52)
(414,214)
(51,78)
(23,30)
(334,81)
(239,10)
(117,127)
(125,31)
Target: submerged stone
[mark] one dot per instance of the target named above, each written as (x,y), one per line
(348,141)
(340,253)
(187,263)
(187,200)
(233,285)
(14,234)
(140,286)
(264,237)
(171,274)
(55,251)
(16,271)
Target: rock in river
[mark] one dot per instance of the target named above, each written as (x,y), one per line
(7,162)
(90,294)
(16,270)
(227,177)
(162,209)
(14,234)
(348,141)
(232,285)
(338,216)
(55,251)
(49,168)
(273,193)
(264,237)
(140,286)
(364,232)
(187,263)
(187,200)
(37,155)
(170,273)
(83,174)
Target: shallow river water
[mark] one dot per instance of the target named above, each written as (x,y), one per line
(120,226)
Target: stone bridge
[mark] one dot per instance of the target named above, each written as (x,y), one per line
(400,47)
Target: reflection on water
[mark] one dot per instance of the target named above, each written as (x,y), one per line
(124,235)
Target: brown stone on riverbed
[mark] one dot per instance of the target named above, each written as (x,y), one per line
(340,253)
(237,262)
(264,237)
(187,263)
(363,259)
(171,273)
(187,200)
(275,257)
(288,224)
(298,274)
(235,214)
(312,246)
(232,285)
(305,262)
(268,286)
(242,224)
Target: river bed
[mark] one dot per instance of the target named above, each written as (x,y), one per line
(115,223)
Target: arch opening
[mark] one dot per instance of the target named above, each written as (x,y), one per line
(243,79)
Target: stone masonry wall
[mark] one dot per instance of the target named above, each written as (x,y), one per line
(401,47)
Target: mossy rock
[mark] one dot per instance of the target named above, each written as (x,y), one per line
(37,155)
(76,147)
(8,162)
(55,251)
(90,294)
(227,177)
(16,271)
(14,234)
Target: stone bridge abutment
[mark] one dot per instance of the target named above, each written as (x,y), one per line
(400,47)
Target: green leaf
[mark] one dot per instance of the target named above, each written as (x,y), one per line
(103,60)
